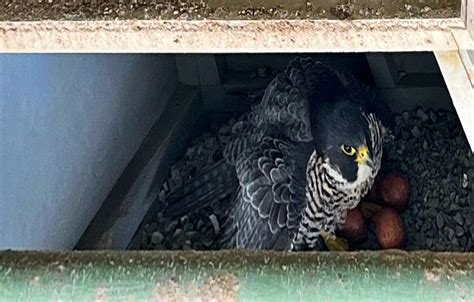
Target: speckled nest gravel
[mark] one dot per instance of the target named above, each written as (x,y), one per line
(429,148)
(432,151)
(198,230)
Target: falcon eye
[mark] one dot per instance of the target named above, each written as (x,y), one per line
(348,150)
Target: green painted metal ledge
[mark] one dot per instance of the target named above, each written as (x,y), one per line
(236,276)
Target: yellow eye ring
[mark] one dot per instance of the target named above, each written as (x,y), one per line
(348,150)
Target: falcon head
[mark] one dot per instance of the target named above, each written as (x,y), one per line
(342,135)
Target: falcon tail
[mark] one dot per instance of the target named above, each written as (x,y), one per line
(215,182)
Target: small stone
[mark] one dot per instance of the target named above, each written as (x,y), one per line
(455,243)
(406,117)
(459,231)
(157,238)
(429,242)
(454,206)
(450,232)
(398,121)
(208,239)
(425,145)
(422,115)
(162,195)
(159,217)
(433,117)
(425,227)
(171,226)
(439,221)
(466,162)
(440,246)
(184,219)
(188,227)
(191,235)
(416,132)
(469,219)
(215,224)
(432,212)
(458,219)
(177,233)
(153,227)
(465,181)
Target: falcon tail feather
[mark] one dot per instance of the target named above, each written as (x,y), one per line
(215,182)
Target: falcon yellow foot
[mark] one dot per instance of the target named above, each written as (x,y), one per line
(335,244)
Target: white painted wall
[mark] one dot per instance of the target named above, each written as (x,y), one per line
(69,125)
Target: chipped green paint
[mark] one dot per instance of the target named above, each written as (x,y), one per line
(233,275)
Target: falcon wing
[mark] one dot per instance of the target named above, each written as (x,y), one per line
(285,106)
(270,198)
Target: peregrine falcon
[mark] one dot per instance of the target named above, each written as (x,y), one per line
(302,157)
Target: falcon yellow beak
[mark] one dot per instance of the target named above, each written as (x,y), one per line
(362,154)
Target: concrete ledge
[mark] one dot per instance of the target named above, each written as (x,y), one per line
(263,36)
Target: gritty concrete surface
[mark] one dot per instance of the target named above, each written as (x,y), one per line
(230,36)
(225,9)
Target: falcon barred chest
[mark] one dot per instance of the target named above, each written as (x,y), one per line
(302,157)
(328,198)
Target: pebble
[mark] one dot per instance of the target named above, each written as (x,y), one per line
(177,233)
(188,227)
(184,219)
(459,231)
(429,242)
(425,227)
(450,233)
(191,235)
(458,219)
(406,117)
(416,132)
(422,115)
(465,181)
(439,221)
(432,212)
(171,226)
(157,238)
(455,244)
(398,121)
(208,239)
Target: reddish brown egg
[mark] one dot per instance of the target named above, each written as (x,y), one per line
(394,191)
(389,229)
(355,228)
